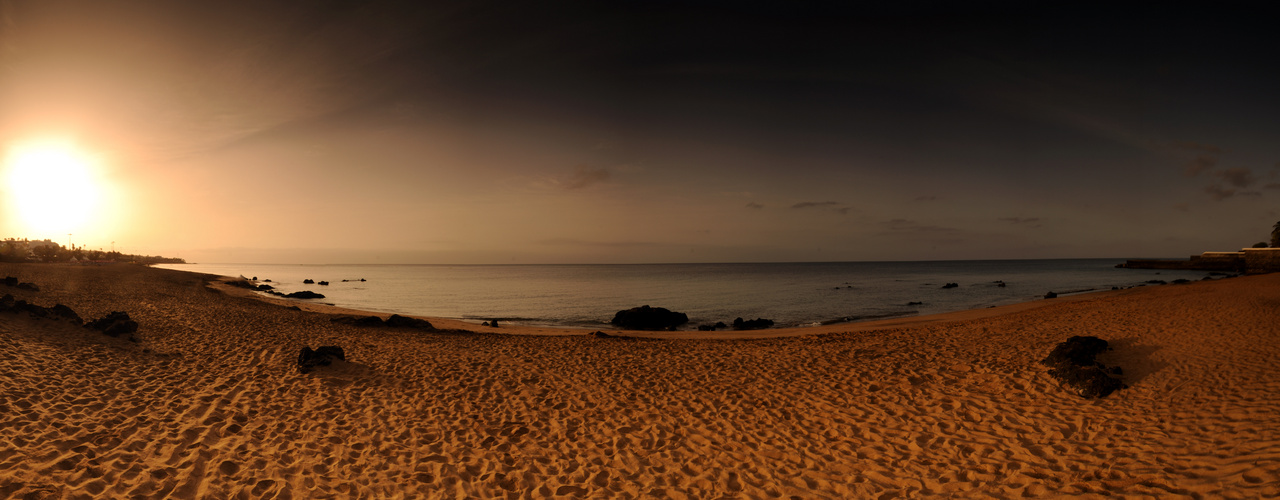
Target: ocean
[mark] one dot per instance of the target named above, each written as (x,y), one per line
(790,294)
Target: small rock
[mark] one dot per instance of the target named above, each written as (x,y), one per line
(309,359)
(950,285)
(398,321)
(115,324)
(752,324)
(1050,295)
(308,281)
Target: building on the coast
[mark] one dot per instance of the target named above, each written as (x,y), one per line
(1247,260)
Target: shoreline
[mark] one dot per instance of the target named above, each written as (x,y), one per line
(209,402)
(848,326)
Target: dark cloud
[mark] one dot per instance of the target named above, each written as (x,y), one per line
(1238,177)
(1200,164)
(910,226)
(583,177)
(1219,193)
(833,206)
(1032,222)
(1195,146)
(754,205)
(815,204)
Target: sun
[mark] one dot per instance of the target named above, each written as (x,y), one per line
(52,188)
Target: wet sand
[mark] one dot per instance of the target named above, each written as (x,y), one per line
(208,402)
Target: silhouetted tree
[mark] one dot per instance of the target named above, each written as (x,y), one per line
(1275,236)
(1260,244)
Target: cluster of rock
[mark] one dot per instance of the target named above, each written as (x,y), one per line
(752,324)
(648,318)
(13,282)
(115,324)
(658,318)
(1074,364)
(309,359)
(395,321)
(950,285)
(246,284)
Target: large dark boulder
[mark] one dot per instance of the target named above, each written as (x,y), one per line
(649,318)
(309,359)
(308,281)
(115,324)
(305,294)
(752,324)
(1074,364)
(10,281)
(398,321)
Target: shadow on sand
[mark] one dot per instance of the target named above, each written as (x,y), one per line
(1134,358)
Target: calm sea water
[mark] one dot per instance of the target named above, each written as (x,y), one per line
(791,294)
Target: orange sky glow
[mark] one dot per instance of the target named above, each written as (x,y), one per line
(390,132)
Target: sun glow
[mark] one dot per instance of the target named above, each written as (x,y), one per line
(53,188)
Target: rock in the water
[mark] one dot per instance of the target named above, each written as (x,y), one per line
(1050,295)
(305,294)
(915,303)
(493,323)
(115,324)
(398,321)
(1074,364)
(309,359)
(950,285)
(62,311)
(325,283)
(706,328)
(649,318)
(308,281)
(752,324)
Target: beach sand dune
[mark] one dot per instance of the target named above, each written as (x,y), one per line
(208,403)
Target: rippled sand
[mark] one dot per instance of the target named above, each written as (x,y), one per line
(209,403)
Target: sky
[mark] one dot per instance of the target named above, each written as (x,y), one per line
(628,132)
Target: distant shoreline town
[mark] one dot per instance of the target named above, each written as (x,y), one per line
(49,251)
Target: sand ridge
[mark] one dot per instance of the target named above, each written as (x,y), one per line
(207,403)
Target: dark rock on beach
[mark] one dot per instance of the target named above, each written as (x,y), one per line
(115,324)
(398,321)
(649,318)
(1074,363)
(10,281)
(1050,295)
(950,285)
(305,294)
(309,359)
(28,286)
(600,335)
(752,324)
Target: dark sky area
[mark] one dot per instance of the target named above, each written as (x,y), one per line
(316,131)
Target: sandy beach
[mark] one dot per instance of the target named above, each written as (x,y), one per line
(208,403)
